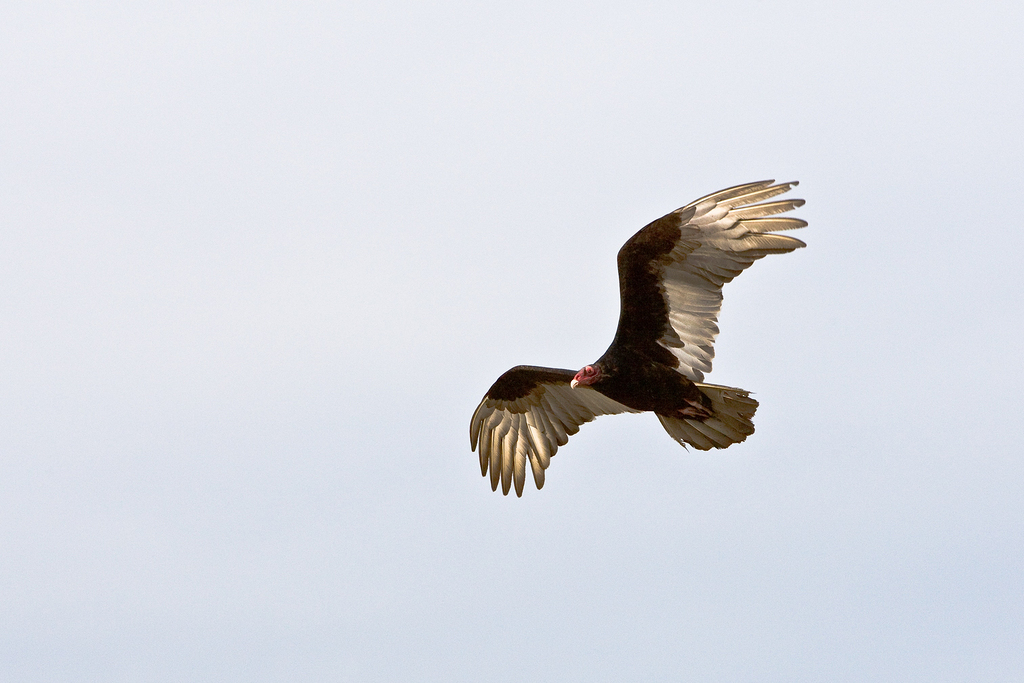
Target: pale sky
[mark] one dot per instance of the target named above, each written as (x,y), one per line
(259,263)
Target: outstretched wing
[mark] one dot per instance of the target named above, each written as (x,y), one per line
(526,415)
(671,273)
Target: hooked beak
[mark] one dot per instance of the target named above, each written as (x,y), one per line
(574,384)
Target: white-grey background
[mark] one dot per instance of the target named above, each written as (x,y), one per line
(258,263)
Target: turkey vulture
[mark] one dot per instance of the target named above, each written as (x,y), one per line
(670,291)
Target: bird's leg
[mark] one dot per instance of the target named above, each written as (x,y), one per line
(694,409)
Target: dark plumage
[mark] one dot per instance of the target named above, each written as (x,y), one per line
(671,275)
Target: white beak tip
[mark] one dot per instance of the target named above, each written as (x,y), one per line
(574,384)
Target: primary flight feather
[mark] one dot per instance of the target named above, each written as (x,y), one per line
(671,275)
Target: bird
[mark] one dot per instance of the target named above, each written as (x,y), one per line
(671,275)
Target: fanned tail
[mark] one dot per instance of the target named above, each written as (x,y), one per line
(729,423)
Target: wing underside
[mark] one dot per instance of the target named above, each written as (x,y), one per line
(525,417)
(671,273)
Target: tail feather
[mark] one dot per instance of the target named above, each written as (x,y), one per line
(729,422)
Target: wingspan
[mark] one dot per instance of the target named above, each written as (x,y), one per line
(526,415)
(671,273)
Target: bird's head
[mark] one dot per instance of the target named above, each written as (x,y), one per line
(588,375)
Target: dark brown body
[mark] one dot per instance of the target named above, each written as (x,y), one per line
(634,380)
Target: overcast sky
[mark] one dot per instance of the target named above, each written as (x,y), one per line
(258,264)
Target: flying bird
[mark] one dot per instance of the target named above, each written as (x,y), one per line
(671,275)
